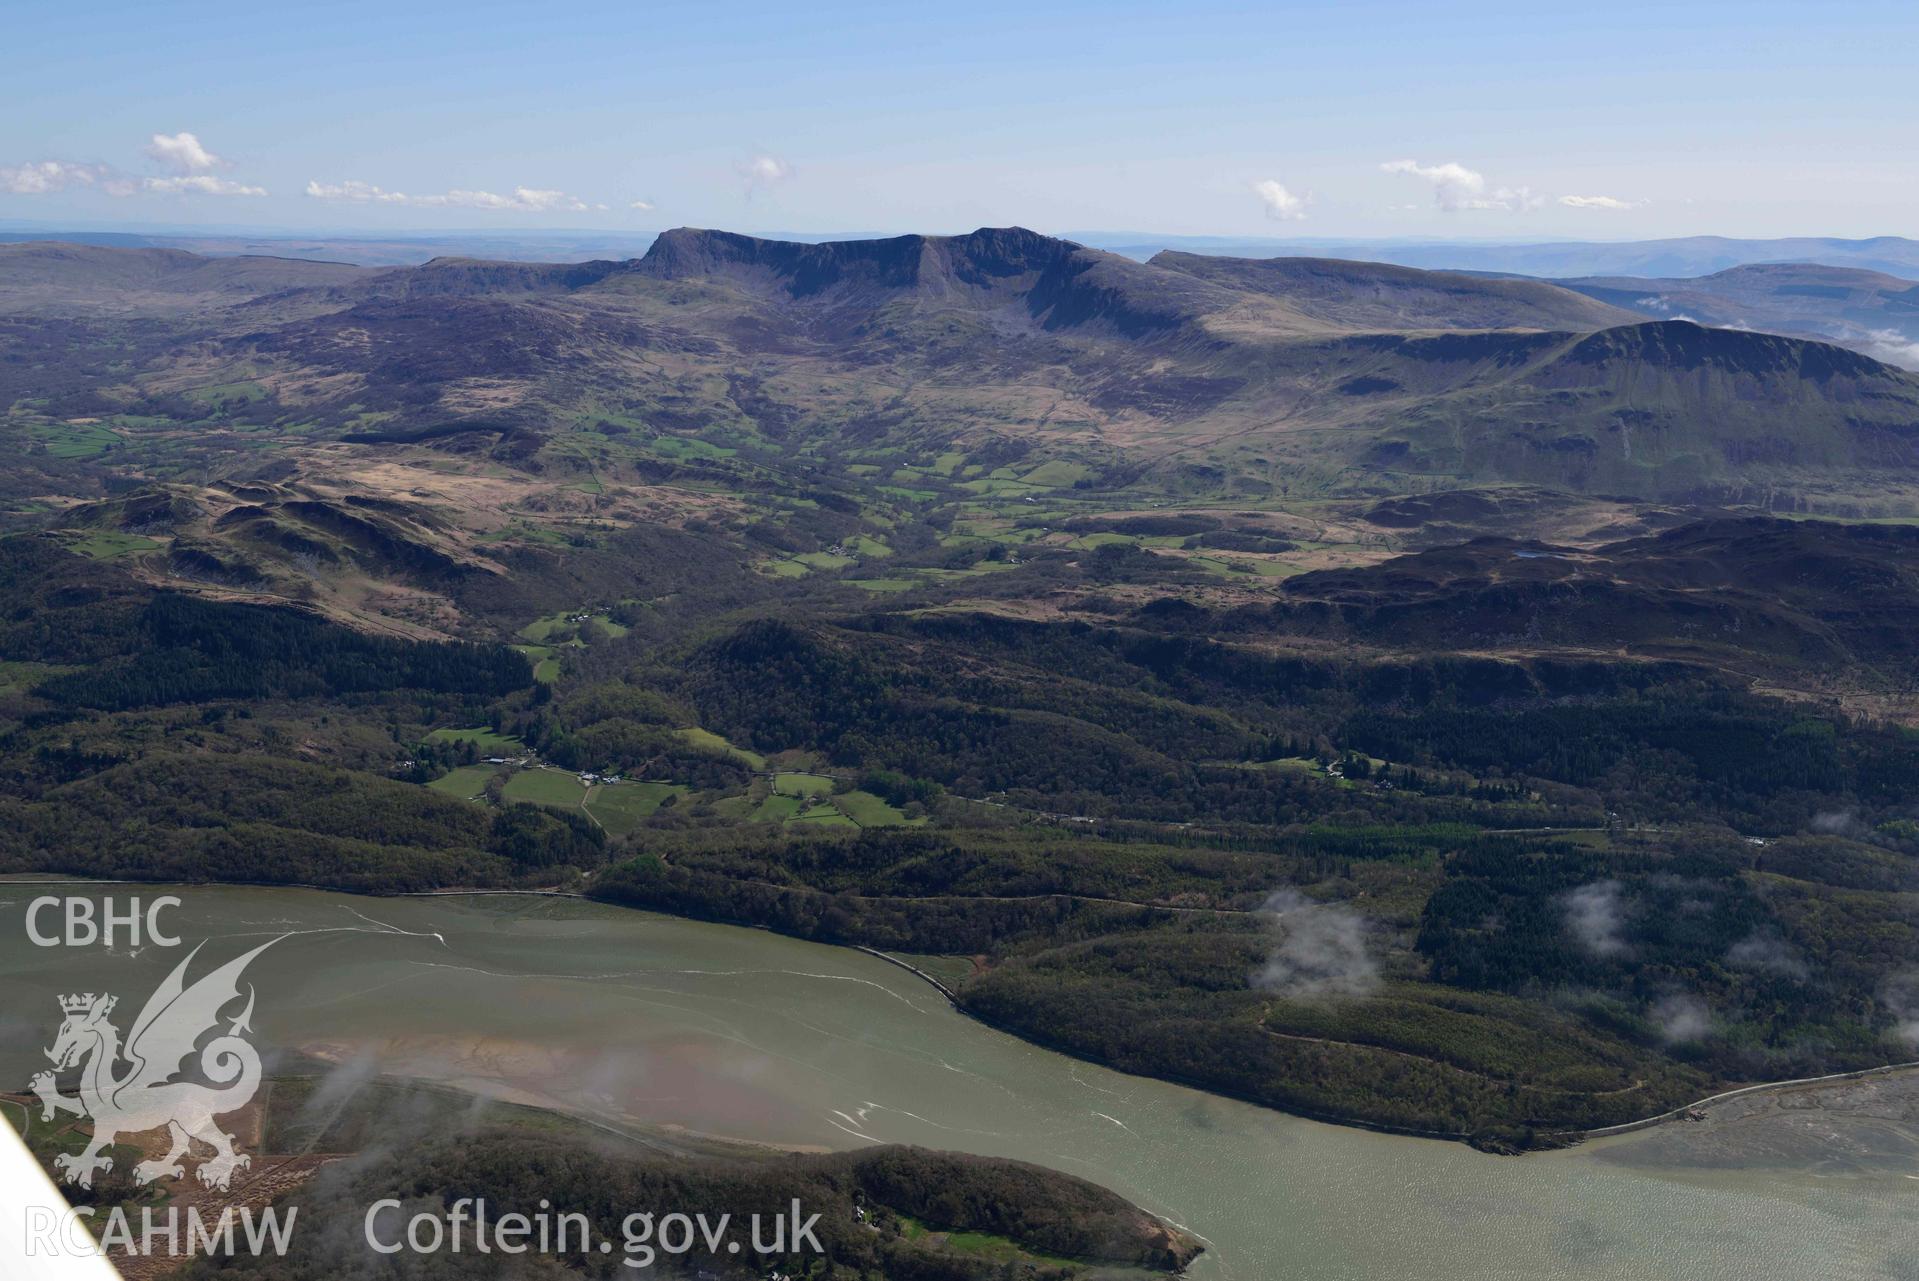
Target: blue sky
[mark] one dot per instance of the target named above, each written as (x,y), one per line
(1365,118)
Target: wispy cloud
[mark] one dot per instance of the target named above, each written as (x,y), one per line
(1457,188)
(644,206)
(183,153)
(1280,203)
(520,200)
(1596,917)
(46,176)
(355,190)
(1599,202)
(1892,347)
(1321,949)
(201,184)
(765,170)
(1681,1017)
(1899,994)
(1767,953)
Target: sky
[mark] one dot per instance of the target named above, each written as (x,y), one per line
(1367,118)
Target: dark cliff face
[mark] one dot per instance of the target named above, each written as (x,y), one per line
(981,259)
(1681,346)
(1059,284)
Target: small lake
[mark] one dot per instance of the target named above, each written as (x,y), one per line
(639,1019)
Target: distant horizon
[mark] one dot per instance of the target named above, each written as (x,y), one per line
(41,227)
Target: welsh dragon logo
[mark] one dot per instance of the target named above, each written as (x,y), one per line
(128,1088)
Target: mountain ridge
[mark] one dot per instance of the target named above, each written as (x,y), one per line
(1395,297)
(1238,378)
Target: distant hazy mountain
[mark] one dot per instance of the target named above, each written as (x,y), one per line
(51,278)
(1690,256)
(1865,310)
(372,250)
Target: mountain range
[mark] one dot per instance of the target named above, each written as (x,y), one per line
(1679,256)
(1866,310)
(1197,375)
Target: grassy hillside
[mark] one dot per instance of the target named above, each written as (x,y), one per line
(1375,296)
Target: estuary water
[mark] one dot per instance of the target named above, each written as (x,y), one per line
(642,1020)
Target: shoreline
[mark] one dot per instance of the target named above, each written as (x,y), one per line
(1570,1137)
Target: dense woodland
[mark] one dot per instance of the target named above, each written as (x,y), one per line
(1576,891)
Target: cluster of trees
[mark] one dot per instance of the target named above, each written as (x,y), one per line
(1758,765)
(231,818)
(1121,723)
(1069,719)
(894,1212)
(181,649)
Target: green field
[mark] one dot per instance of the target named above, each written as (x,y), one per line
(546,787)
(546,664)
(869,810)
(21,676)
(823,816)
(106,544)
(620,807)
(802,785)
(680,448)
(706,738)
(74,440)
(467,782)
(486,740)
(542,630)
(778,809)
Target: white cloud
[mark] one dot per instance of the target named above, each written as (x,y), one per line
(1517,199)
(1456,188)
(183,153)
(1599,202)
(522,199)
(1767,953)
(1892,347)
(1454,185)
(1899,994)
(765,171)
(353,189)
(644,206)
(1681,1017)
(1319,949)
(1596,917)
(1280,203)
(46,176)
(201,184)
